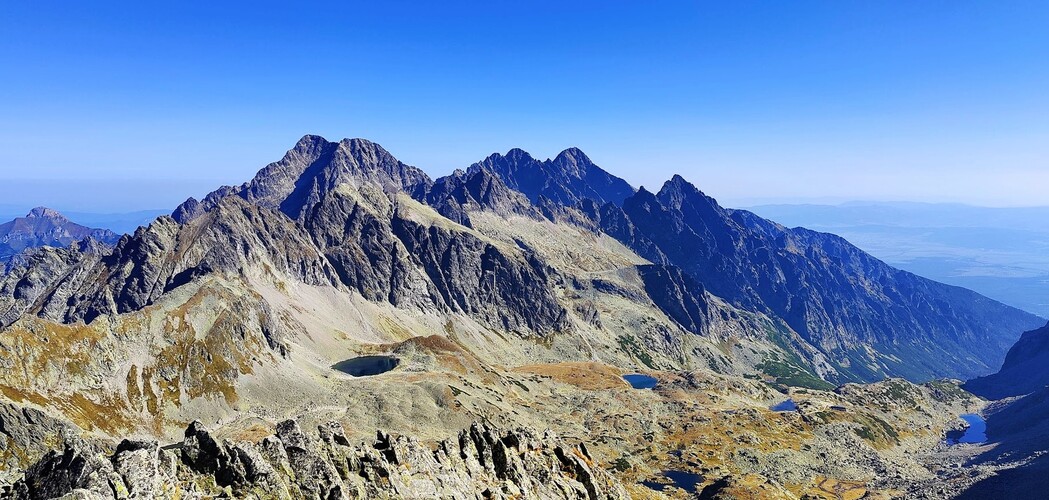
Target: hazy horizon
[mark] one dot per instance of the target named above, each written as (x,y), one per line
(122,196)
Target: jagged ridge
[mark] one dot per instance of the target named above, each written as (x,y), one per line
(482,462)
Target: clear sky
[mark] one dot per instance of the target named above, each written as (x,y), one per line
(752,101)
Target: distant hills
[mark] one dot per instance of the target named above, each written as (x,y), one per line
(46,227)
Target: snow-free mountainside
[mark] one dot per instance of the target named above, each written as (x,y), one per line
(487,317)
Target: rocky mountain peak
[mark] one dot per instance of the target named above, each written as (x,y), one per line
(676,189)
(365,152)
(312,168)
(567,179)
(573,161)
(515,160)
(643,197)
(43,226)
(677,193)
(516,155)
(480,188)
(45,213)
(310,142)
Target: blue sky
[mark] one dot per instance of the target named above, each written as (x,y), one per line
(752,101)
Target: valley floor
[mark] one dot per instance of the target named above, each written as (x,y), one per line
(694,432)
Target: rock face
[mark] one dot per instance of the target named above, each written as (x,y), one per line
(358,205)
(45,227)
(234,236)
(1026,369)
(678,295)
(35,274)
(454,196)
(566,180)
(839,299)
(873,319)
(482,462)
(311,169)
(25,434)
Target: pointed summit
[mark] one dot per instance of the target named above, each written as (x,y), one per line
(43,226)
(678,191)
(678,184)
(45,213)
(311,141)
(567,179)
(312,168)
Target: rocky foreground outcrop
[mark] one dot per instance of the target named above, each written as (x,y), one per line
(482,462)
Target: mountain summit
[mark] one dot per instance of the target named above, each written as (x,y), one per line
(567,179)
(43,226)
(312,168)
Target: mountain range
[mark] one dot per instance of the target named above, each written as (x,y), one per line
(851,317)
(350,214)
(515,291)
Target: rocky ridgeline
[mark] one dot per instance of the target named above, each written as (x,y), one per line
(482,462)
(349,214)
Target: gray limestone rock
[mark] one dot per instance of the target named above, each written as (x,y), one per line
(483,462)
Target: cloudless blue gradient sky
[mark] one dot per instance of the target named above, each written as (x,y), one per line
(752,101)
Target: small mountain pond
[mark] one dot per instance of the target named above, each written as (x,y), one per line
(365,366)
(974,434)
(639,381)
(679,478)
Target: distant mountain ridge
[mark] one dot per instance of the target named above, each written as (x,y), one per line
(840,299)
(567,179)
(43,226)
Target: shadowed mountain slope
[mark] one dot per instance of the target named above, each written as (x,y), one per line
(1025,370)
(566,180)
(870,319)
